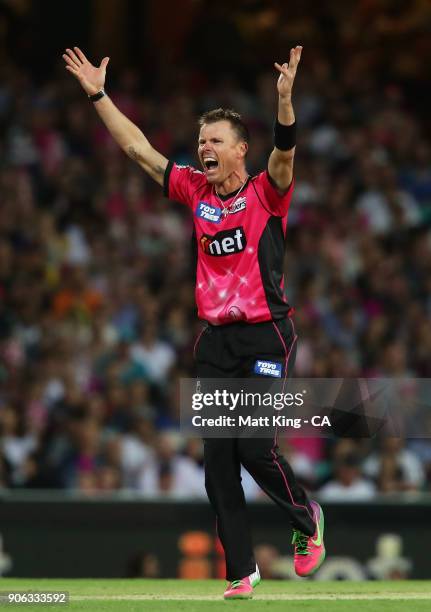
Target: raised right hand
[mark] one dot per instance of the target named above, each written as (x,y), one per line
(92,79)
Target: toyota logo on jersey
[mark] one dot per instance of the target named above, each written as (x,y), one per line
(226,242)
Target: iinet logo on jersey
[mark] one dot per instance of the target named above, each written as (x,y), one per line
(226,242)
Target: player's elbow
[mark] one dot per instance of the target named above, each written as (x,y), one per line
(138,152)
(283,183)
(281,174)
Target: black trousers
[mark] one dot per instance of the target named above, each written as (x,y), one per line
(231,351)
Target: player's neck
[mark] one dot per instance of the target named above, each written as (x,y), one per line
(234,181)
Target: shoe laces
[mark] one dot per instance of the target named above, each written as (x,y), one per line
(235,584)
(300,540)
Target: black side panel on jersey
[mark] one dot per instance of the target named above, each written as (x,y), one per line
(271,256)
(166,179)
(194,255)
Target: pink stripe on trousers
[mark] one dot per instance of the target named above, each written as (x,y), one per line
(286,363)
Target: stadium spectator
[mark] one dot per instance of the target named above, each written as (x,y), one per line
(348,483)
(168,473)
(17,443)
(395,468)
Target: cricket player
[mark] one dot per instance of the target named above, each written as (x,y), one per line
(240,231)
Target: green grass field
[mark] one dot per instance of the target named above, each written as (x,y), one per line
(206,595)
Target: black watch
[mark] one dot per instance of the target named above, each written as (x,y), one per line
(97,95)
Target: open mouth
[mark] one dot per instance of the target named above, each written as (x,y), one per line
(210,163)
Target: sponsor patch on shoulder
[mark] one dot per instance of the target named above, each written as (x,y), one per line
(268,368)
(208,212)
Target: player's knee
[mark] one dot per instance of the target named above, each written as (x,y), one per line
(208,487)
(253,455)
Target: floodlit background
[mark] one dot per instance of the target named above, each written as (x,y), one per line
(97,314)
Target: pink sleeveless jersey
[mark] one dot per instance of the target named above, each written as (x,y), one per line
(240,246)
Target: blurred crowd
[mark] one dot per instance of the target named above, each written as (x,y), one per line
(97,313)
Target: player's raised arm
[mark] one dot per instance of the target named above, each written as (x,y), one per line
(280,165)
(127,134)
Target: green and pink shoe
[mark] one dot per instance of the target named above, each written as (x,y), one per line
(309,556)
(243,589)
(310,550)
